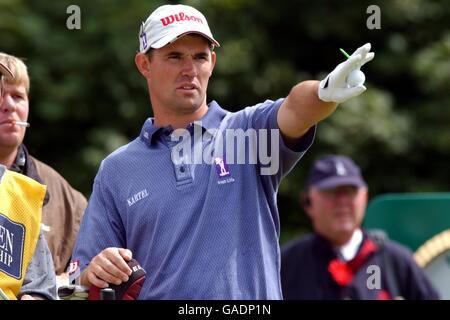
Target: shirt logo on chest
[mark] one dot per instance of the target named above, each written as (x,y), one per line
(223,171)
(221,167)
(137,197)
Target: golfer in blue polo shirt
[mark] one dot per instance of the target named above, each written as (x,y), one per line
(193,198)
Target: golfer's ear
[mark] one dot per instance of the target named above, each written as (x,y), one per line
(213,60)
(305,200)
(143,64)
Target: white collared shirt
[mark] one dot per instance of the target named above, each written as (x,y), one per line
(348,251)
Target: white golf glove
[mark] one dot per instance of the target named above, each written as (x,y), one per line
(346,80)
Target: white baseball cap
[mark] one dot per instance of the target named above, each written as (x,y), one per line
(168,23)
(4,70)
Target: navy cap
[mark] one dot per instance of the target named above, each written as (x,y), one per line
(334,171)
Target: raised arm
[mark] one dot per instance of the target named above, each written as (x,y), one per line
(312,101)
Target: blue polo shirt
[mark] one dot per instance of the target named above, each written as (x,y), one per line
(200,230)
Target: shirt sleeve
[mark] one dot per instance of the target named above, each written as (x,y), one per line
(418,286)
(264,116)
(101,226)
(414,283)
(40,274)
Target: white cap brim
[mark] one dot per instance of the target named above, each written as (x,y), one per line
(171,38)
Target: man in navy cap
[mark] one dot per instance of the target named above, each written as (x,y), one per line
(339,260)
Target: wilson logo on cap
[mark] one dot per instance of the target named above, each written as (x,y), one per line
(179,17)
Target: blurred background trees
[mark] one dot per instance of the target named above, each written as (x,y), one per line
(87,98)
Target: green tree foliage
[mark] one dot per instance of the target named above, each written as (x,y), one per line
(87,98)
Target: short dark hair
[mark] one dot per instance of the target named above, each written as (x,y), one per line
(149,53)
